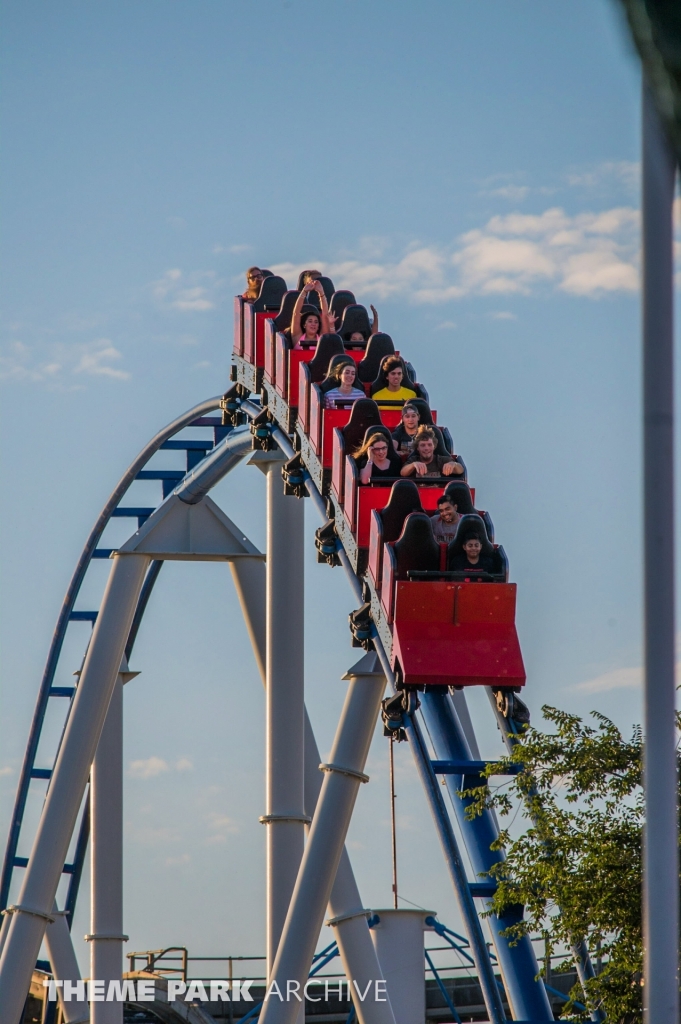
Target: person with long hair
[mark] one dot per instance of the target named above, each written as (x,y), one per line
(306,328)
(404,435)
(376,459)
(423,461)
(254,279)
(345,391)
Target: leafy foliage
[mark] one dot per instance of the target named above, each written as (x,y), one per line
(577,866)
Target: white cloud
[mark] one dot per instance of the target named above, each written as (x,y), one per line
(220,826)
(516,193)
(587,254)
(619,679)
(503,315)
(55,362)
(184,293)
(446,325)
(148,769)
(6,771)
(184,765)
(173,862)
(623,172)
(96,360)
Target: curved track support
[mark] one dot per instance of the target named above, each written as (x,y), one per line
(62,624)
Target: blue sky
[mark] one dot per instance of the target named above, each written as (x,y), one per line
(470,169)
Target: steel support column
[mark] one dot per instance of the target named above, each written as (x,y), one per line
(342,777)
(348,918)
(71,771)
(285,700)
(106,860)
(660,846)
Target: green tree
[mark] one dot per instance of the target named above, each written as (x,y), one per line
(577,865)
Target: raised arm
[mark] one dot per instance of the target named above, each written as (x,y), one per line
(296,329)
(374,322)
(328,323)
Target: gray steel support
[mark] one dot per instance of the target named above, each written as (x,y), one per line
(67,785)
(62,957)
(342,777)
(106,859)
(285,700)
(348,918)
(660,845)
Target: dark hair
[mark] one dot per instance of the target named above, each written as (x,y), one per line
(471,535)
(392,363)
(445,499)
(409,405)
(306,316)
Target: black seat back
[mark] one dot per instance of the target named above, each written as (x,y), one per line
(328,346)
(272,291)
(282,321)
(327,285)
(469,524)
(365,414)
(425,415)
(339,300)
(380,345)
(416,547)
(404,499)
(459,494)
(355,318)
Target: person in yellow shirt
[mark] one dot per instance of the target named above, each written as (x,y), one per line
(393,372)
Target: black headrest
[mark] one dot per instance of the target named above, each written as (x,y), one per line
(460,495)
(467,525)
(365,413)
(272,292)
(282,321)
(331,380)
(404,499)
(355,318)
(380,345)
(416,547)
(267,273)
(425,415)
(301,279)
(339,300)
(327,285)
(329,345)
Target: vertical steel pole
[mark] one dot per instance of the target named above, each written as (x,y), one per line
(67,785)
(348,918)
(106,861)
(343,775)
(285,700)
(660,847)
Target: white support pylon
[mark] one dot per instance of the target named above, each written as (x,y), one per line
(342,777)
(62,957)
(67,785)
(284,816)
(106,858)
(348,918)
